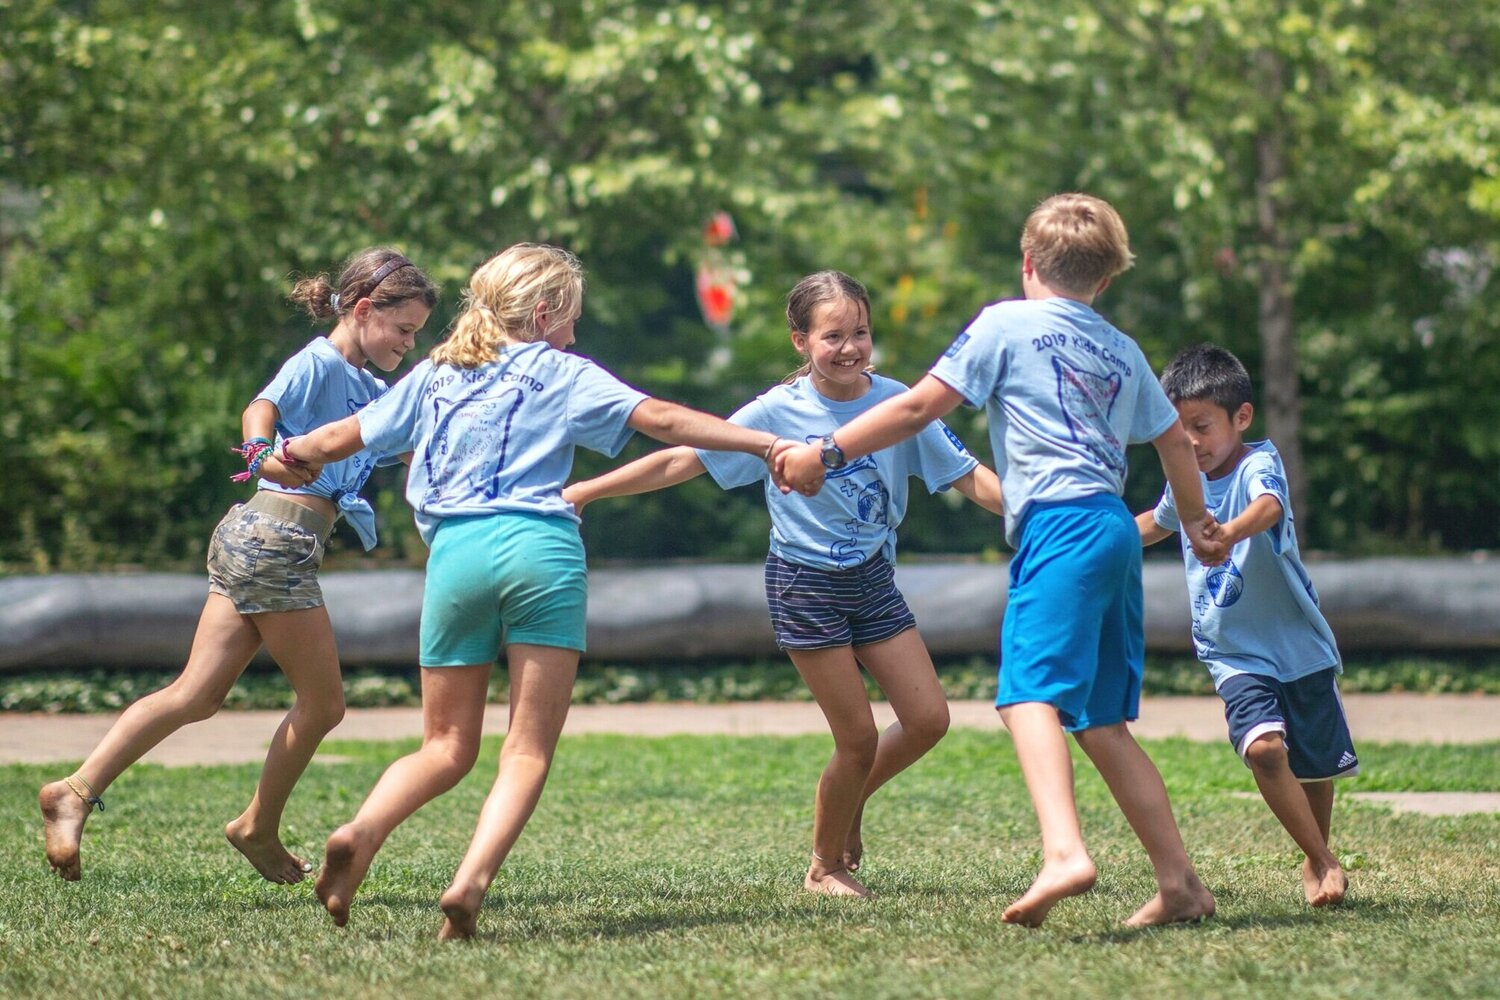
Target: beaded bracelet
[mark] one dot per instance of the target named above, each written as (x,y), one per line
(254,452)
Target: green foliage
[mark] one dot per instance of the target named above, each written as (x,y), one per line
(165,167)
(672,868)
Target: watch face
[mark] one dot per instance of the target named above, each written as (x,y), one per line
(832,455)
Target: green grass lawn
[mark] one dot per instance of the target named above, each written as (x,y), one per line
(672,868)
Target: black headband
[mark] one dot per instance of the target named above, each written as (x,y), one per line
(384,271)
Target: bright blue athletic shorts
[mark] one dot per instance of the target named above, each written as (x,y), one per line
(1073,635)
(1307,712)
(501,578)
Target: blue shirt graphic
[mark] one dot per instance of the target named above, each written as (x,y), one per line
(499,437)
(317,386)
(1065,392)
(1258,612)
(856,513)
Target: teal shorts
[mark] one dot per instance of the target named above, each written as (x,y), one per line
(502,578)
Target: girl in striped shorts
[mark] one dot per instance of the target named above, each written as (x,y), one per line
(830,578)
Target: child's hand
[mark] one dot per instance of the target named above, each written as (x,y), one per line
(781,447)
(799,468)
(1207,540)
(576,496)
(290,476)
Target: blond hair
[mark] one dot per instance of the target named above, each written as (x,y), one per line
(1076,242)
(500,303)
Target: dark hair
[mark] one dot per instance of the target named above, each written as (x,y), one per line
(1207,371)
(381,274)
(811,292)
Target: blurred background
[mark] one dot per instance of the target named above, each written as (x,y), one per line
(1315,185)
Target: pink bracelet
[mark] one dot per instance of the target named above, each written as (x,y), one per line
(286,455)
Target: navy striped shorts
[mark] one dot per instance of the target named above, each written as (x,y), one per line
(823,608)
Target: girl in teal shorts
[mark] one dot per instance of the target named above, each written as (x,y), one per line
(492,418)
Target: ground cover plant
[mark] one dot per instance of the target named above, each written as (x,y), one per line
(263,686)
(671,868)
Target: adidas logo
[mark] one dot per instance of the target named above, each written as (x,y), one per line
(1348,760)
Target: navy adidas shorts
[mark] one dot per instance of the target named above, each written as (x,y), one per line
(824,608)
(1309,714)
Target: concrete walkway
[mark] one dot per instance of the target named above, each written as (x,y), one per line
(240,737)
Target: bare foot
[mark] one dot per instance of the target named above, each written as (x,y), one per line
(1324,885)
(833,882)
(265,851)
(1056,881)
(1180,904)
(460,906)
(63,815)
(346,860)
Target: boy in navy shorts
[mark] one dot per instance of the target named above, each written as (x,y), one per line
(1065,392)
(1256,623)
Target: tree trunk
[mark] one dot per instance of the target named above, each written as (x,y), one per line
(1281,401)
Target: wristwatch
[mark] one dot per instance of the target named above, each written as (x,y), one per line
(831,454)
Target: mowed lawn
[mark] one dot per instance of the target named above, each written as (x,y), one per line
(672,868)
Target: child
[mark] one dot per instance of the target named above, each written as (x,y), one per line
(493,417)
(263,563)
(1065,391)
(829,576)
(1256,623)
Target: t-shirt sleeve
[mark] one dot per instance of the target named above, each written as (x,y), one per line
(1154,412)
(295,387)
(939,457)
(599,408)
(1165,514)
(975,362)
(1263,477)
(736,468)
(388,426)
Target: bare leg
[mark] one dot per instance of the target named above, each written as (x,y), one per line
(541,688)
(904,671)
(302,644)
(452,722)
(1320,798)
(1067,869)
(832,675)
(1138,789)
(222,646)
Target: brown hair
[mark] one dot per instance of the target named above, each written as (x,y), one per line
(1076,242)
(381,274)
(811,292)
(499,304)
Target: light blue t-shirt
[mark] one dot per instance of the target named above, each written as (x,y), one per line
(1257,613)
(1065,392)
(317,386)
(499,437)
(856,513)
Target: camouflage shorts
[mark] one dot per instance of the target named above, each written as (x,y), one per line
(264,555)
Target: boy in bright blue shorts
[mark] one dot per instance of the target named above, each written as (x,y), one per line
(1065,392)
(1256,622)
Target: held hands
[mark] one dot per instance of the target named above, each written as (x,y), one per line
(800,468)
(290,476)
(773,462)
(1207,538)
